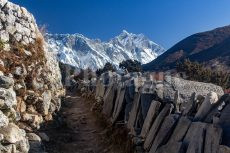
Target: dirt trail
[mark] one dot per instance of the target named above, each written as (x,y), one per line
(81,132)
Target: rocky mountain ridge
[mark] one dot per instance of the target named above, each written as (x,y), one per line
(82,52)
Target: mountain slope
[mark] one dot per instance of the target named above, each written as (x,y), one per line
(211,47)
(82,52)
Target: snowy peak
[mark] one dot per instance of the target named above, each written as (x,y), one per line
(82,52)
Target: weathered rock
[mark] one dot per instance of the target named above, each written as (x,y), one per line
(212,139)
(164,133)
(146,100)
(194,138)
(206,106)
(33,119)
(151,116)
(217,108)
(186,88)
(6,82)
(118,103)
(180,130)
(129,98)
(9,97)
(44,136)
(156,126)
(109,100)
(134,111)
(4,121)
(12,133)
(44,105)
(224,149)
(189,107)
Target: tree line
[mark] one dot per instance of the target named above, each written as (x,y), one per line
(198,72)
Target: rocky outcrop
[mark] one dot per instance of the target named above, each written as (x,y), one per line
(168,115)
(30,79)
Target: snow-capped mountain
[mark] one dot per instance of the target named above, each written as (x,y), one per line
(82,52)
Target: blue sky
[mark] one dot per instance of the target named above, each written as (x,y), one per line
(163,21)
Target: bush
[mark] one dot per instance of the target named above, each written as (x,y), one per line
(197,72)
(131,66)
(108,67)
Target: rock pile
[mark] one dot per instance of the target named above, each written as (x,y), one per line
(170,115)
(30,80)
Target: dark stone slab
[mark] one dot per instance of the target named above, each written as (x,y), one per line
(134,111)
(118,104)
(214,111)
(165,132)
(224,122)
(146,100)
(129,97)
(212,139)
(156,126)
(181,129)
(194,139)
(206,106)
(109,100)
(151,116)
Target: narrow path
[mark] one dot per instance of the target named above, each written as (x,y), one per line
(81,132)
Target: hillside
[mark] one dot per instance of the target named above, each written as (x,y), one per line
(211,48)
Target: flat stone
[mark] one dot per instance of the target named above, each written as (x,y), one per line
(180,130)
(156,126)
(134,111)
(194,138)
(151,116)
(146,100)
(206,106)
(165,132)
(109,100)
(213,139)
(118,104)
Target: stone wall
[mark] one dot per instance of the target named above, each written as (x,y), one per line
(169,116)
(30,81)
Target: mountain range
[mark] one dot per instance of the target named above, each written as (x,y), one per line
(212,48)
(81,52)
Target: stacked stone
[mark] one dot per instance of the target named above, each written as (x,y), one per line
(173,115)
(30,91)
